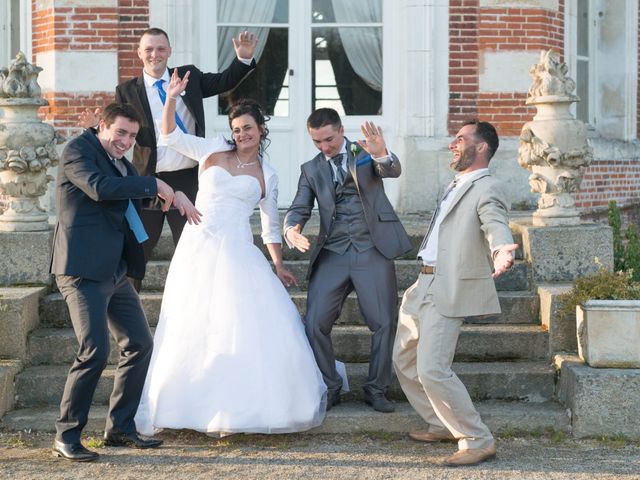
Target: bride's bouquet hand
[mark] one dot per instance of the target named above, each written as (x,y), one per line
(286,277)
(177,85)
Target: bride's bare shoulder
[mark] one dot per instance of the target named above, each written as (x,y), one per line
(221,159)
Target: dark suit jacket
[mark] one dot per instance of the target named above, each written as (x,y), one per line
(316,183)
(201,85)
(91,234)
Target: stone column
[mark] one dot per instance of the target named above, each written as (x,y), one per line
(27,148)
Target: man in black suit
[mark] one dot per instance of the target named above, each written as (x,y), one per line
(359,237)
(97,244)
(147,96)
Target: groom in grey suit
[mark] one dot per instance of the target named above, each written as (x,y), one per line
(359,237)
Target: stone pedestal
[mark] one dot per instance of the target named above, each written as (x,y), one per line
(8,371)
(562,331)
(562,253)
(25,257)
(603,401)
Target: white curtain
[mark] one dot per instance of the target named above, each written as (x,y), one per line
(363,46)
(245,11)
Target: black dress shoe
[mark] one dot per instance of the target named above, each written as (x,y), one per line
(132,440)
(333,400)
(379,402)
(73,451)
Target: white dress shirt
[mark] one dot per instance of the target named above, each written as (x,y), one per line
(429,253)
(168,160)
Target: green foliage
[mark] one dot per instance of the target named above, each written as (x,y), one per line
(632,252)
(616,225)
(603,285)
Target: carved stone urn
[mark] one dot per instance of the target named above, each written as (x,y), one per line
(27,148)
(553,146)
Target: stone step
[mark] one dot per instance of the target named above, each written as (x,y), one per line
(502,417)
(517,308)
(43,385)
(414,224)
(516,279)
(8,371)
(58,346)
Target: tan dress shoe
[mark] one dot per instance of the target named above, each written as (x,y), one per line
(431,437)
(470,456)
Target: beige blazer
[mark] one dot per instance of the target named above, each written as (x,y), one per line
(475,226)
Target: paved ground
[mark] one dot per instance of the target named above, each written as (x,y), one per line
(327,457)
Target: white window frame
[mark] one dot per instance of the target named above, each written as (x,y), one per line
(627,130)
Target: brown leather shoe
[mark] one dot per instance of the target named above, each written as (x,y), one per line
(470,456)
(431,437)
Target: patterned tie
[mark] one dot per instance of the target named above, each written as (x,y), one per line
(163,99)
(446,193)
(337,160)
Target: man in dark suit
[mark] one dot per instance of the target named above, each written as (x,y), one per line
(97,244)
(360,235)
(146,94)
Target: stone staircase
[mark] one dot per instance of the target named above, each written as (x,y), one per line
(504,360)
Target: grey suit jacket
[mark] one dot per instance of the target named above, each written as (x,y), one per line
(475,226)
(316,184)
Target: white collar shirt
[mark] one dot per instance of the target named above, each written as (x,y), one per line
(343,151)
(168,160)
(429,253)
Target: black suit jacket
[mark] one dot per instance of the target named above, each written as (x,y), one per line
(201,85)
(91,234)
(316,183)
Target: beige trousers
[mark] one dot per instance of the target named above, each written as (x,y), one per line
(422,356)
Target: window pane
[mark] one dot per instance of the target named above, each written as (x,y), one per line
(582,90)
(268,83)
(583,28)
(346,11)
(251,11)
(348,62)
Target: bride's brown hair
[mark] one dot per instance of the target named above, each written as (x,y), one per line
(248,106)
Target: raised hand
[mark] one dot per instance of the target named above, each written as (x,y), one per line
(245,45)
(503,259)
(373,141)
(177,85)
(88,119)
(297,239)
(186,208)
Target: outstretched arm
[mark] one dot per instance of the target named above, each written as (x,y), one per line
(385,163)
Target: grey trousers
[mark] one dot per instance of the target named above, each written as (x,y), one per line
(373,278)
(97,308)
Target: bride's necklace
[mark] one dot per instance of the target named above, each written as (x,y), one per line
(243,165)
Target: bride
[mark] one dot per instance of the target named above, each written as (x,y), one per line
(230,353)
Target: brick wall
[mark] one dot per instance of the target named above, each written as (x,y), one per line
(474,30)
(606,180)
(114,29)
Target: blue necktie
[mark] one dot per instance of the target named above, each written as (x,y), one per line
(163,99)
(135,224)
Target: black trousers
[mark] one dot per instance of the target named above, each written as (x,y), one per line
(97,308)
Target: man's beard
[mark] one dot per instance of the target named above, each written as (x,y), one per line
(465,160)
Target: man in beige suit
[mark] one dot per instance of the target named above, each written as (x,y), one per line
(467,245)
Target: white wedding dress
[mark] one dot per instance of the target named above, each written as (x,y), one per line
(230,353)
